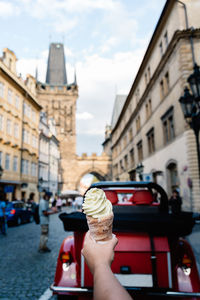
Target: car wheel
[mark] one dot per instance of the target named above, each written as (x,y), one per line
(19,221)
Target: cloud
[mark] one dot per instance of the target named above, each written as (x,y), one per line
(84,116)
(7,9)
(99,79)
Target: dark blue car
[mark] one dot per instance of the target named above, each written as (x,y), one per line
(17,213)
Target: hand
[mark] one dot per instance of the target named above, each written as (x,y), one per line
(54,209)
(98,254)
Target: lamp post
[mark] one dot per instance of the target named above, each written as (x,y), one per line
(139,169)
(190,104)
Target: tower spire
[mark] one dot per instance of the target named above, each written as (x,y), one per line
(56,71)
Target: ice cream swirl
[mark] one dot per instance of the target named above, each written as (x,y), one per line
(96,204)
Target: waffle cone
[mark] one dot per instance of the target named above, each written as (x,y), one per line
(101,228)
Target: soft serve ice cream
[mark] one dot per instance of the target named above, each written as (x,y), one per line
(98,210)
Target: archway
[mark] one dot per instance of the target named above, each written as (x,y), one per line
(172,176)
(87,178)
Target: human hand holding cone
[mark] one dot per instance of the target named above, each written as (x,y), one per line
(99,214)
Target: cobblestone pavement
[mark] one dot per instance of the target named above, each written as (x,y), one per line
(25,273)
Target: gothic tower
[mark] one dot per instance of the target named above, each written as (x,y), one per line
(58,99)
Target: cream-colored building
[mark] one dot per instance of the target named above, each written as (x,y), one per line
(150,127)
(19,121)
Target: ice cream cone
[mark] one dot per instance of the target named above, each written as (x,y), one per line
(101,228)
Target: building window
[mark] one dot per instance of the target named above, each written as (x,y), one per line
(149,73)
(140,151)
(15,163)
(7,162)
(17,102)
(33,116)
(130,134)
(16,131)
(33,169)
(8,127)
(132,158)
(167,82)
(125,141)
(116,169)
(1,89)
(1,122)
(27,167)
(161,48)
(138,125)
(121,165)
(137,94)
(151,141)
(126,161)
(9,96)
(1,158)
(168,125)
(148,109)
(162,92)
(146,80)
(166,38)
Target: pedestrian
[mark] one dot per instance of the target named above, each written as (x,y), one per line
(3,224)
(59,204)
(44,213)
(31,205)
(54,200)
(78,203)
(175,202)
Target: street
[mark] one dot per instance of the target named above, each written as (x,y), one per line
(27,274)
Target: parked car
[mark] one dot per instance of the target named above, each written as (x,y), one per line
(152,259)
(17,213)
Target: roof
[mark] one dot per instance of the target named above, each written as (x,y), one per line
(56,71)
(118,105)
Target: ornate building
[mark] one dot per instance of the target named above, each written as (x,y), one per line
(58,99)
(19,121)
(150,127)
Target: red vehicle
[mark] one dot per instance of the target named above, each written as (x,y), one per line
(152,259)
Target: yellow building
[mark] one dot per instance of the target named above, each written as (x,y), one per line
(19,123)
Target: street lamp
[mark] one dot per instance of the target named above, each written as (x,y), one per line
(190,104)
(139,169)
(1,171)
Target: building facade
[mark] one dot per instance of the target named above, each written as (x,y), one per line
(150,128)
(19,120)
(49,156)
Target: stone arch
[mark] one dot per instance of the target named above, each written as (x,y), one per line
(94,171)
(172,175)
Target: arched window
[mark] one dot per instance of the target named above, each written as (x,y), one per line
(172,177)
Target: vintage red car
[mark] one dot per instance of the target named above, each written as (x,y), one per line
(152,258)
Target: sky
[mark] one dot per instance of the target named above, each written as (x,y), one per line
(105,41)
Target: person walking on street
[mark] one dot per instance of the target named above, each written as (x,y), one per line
(59,203)
(2,215)
(44,213)
(31,205)
(175,202)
